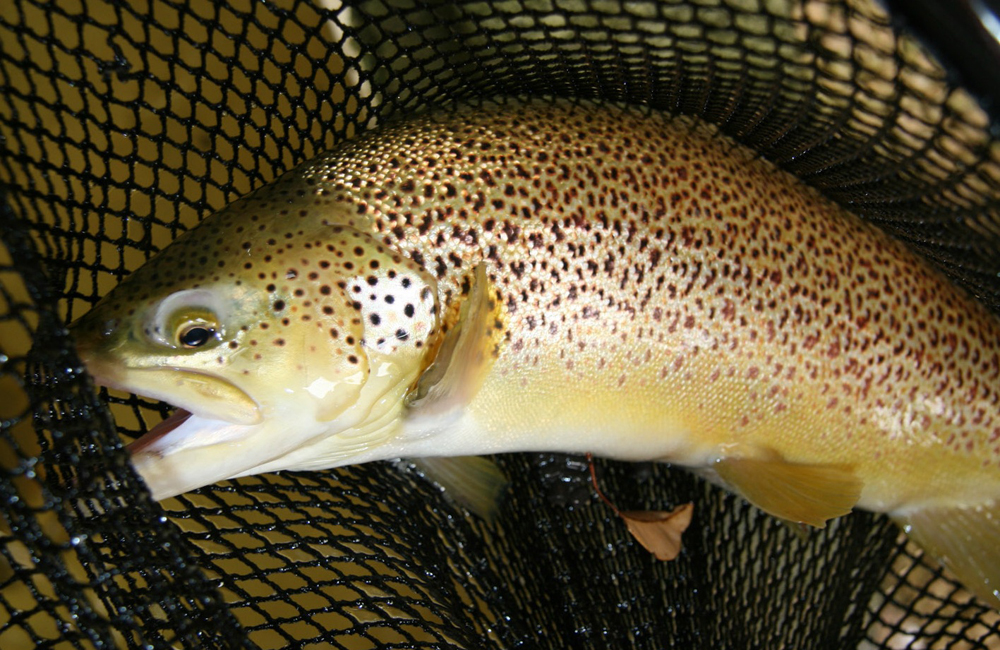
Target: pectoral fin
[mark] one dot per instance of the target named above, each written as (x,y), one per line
(473,481)
(965,539)
(802,493)
(464,357)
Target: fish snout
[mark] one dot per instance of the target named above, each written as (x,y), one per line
(89,329)
(104,371)
(91,347)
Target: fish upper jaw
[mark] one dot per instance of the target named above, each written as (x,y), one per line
(200,393)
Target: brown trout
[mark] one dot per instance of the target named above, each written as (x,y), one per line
(570,278)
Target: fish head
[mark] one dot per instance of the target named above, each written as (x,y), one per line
(174,346)
(305,329)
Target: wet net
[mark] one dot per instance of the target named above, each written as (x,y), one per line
(124,123)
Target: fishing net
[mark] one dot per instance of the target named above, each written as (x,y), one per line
(124,123)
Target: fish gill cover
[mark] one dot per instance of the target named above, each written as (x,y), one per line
(124,124)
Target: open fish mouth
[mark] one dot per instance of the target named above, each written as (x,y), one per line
(148,441)
(187,451)
(186,430)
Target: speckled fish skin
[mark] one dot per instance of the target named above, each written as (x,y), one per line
(661,294)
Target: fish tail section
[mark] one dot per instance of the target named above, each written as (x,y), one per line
(966,539)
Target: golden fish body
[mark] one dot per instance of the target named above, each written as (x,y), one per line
(569,278)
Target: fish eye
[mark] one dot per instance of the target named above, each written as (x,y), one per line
(191,328)
(195,335)
(192,319)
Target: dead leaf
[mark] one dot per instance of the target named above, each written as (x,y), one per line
(659,531)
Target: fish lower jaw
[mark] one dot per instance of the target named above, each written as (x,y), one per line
(199,452)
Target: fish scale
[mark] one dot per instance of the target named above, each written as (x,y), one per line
(629,284)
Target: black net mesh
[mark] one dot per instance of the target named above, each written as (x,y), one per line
(122,124)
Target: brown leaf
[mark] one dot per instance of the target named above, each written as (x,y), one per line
(659,531)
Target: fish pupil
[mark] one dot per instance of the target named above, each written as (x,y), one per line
(195,337)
